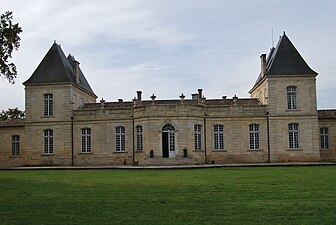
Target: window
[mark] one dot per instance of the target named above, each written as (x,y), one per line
(198,137)
(48,105)
(86,140)
(254,136)
(291,97)
(48,142)
(324,138)
(120,139)
(15,145)
(139,138)
(219,137)
(293,135)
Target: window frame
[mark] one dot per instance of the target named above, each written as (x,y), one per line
(324,138)
(48,104)
(139,138)
(218,130)
(86,140)
(292,97)
(120,139)
(293,136)
(48,141)
(198,137)
(254,136)
(15,145)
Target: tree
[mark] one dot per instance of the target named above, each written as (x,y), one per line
(11,114)
(9,41)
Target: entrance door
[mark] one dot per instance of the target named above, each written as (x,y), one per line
(168,141)
(165,145)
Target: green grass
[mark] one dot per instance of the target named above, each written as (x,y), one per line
(262,195)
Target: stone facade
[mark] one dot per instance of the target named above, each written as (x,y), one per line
(279,123)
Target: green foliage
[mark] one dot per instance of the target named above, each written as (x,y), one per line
(11,114)
(9,41)
(268,195)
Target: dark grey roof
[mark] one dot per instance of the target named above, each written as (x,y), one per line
(327,114)
(285,60)
(15,122)
(55,68)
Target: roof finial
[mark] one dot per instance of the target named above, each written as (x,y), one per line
(55,42)
(284,33)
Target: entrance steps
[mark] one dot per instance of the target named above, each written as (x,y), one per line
(177,161)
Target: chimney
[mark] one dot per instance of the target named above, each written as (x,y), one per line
(263,64)
(139,96)
(200,93)
(76,70)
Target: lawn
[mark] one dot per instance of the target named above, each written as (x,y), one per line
(261,195)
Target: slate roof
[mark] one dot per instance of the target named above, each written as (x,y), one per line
(210,102)
(55,68)
(12,123)
(327,114)
(285,60)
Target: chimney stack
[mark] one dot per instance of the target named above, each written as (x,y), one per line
(76,70)
(200,93)
(139,96)
(263,64)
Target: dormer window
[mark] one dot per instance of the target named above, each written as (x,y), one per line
(291,97)
(48,105)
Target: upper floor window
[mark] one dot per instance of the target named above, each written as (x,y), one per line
(120,139)
(48,141)
(324,134)
(86,140)
(293,135)
(291,97)
(15,145)
(139,146)
(198,137)
(219,137)
(48,105)
(254,136)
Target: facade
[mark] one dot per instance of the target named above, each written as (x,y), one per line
(64,124)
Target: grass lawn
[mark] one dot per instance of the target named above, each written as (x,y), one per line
(261,195)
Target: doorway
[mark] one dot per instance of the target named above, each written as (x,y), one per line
(168,141)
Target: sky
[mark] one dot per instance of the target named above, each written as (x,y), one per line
(169,47)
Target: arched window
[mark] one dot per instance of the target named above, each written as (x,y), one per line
(139,146)
(168,127)
(120,139)
(293,135)
(291,97)
(48,141)
(219,137)
(254,136)
(324,134)
(48,105)
(198,137)
(86,140)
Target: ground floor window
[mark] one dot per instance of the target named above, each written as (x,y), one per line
(48,141)
(120,139)
(324,134)
(219,137)
(86,140)
(15,145)
(198,137)
(139,146)
(254,136)
(293,135)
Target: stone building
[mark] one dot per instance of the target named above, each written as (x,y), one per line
(64,124)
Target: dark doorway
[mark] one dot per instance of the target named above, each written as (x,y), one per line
(165,145)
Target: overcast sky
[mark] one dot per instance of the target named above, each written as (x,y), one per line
(169,47)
